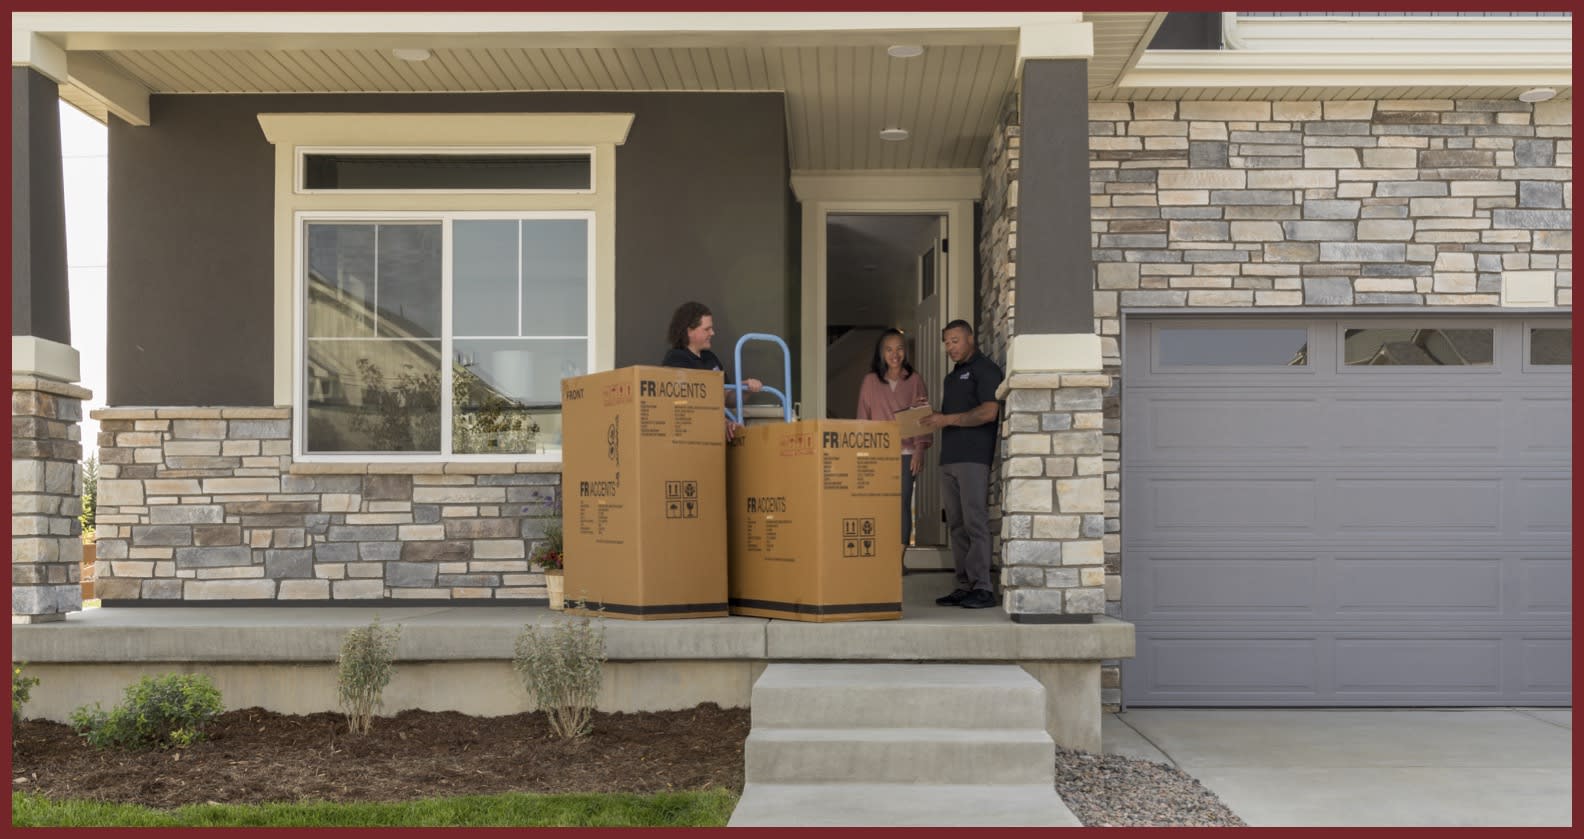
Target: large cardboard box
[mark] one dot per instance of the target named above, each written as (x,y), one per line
(644,493)
(815,514)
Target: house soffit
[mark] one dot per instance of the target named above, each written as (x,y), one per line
(840,85)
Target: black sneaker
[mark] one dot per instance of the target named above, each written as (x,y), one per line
(979,599)
(953,599)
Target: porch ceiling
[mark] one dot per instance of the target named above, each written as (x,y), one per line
(841,87)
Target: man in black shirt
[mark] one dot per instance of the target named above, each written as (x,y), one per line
(968,420)
(692,330)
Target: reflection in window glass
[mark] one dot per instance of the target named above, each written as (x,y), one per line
(507,393)
(1551,346)
(377,395)
(446,171)
(1232,347)
(1410,347)
(374,354)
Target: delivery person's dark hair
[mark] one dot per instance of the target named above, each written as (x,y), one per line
(687,316)
(959,324)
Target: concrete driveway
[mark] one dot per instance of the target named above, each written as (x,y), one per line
(1366,767)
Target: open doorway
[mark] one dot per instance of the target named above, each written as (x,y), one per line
(887,270)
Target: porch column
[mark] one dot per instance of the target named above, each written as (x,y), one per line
(46,407)
(1053,484)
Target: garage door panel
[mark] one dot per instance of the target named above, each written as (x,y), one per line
(1216,502)
(1188,665)
(1413,427)
(1396,586)
(1227,428)
(1419,665)
(1548,665)
(1347,536)
(1545,505)
(1545,586)
(1385,504)
(1197,585)
(1547,426)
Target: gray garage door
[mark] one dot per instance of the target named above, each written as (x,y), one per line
(1347,511)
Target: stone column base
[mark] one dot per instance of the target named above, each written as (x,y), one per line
(1053,497)
(46,498)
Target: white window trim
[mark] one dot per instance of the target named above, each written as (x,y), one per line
(421,133)
(447,337)
(300,174)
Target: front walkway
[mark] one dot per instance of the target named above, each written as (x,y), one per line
(1370,767)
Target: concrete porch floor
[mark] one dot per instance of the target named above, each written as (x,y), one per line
(458,657)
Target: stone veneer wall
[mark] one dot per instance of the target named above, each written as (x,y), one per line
(207,504)
(1316,204)
(998,264)
(46,498)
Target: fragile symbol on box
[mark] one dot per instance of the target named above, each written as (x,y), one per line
(682,499)
(857,537)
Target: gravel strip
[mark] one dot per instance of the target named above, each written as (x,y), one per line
(1116,791)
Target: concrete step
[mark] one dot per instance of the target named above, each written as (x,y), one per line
(901,805)
(927,559)
(835,696)
(899,756)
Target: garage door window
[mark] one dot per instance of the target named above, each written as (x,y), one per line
(1210,347)
(1550,347)
(1418,347)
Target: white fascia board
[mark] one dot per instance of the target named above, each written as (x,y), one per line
(274,30)
(1399,34)
(1253,68)
(103,82)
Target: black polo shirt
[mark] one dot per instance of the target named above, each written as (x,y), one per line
(970,384)
(682,357)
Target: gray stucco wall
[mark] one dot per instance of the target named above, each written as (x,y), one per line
(701,212)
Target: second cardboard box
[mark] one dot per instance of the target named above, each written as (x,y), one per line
(815,516)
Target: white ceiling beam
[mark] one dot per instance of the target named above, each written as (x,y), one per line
(30,49)
(102,81)
(1069,40)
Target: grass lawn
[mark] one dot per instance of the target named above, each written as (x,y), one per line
(706,808)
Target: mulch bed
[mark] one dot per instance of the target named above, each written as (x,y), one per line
(255,756)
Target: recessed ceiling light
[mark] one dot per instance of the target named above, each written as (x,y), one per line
(904,50)
(1539,94)
(894,134)
(411,53)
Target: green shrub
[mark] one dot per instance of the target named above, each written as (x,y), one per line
(21,690)
(90,494)
(158,712)
(560,667)
(364,669)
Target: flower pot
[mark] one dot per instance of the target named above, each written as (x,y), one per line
(554,587)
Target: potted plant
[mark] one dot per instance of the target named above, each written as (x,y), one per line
(547,554)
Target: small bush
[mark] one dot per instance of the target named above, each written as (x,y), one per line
(367,660)
(560,667)
(158,712)
(21,690)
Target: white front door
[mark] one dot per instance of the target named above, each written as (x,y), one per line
(929,359)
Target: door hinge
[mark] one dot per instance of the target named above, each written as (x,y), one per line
(944,248)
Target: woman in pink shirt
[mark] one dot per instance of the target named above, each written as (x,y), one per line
(892,386)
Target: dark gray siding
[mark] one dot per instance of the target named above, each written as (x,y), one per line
(701,212)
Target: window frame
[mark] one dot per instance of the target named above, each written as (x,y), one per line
(302,218)
(1426,321)
(1157,365)
(1527,349)
(301,153)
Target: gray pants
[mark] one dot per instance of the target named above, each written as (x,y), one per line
(965,492)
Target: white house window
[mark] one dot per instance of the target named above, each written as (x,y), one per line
(443,333)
